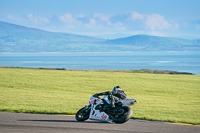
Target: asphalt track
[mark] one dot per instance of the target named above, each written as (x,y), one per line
(37,123)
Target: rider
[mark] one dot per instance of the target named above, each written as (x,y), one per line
(116,94)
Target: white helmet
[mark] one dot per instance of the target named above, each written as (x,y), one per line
(116,88)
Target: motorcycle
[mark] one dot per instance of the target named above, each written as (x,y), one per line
(98,110)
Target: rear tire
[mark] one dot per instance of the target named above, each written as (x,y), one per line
(83,114)
(124,117)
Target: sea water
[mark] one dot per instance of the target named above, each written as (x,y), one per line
(174,61)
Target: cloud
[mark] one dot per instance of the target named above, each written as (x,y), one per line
(151,22)
(101,17)
(38,19)
(156,22)
(92,21)
(97,23)
(67,18)
(81,15)
(197,23)
(28,20)
(136,15)
(198,27)
(155,33)
(14,18)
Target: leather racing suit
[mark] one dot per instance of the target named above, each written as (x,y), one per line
(113,96)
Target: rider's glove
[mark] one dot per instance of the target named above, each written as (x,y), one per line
(95,95)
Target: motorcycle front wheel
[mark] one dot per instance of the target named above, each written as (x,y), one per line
(127,114)
(83,114)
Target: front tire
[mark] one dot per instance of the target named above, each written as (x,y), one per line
(123,117)
(83,114)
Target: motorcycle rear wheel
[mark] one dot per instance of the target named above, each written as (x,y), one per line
(83,114)
(123,117)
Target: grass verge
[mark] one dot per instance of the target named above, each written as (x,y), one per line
(174,98)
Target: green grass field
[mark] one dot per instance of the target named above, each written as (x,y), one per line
(174,98)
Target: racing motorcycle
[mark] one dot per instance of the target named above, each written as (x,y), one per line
(98,110)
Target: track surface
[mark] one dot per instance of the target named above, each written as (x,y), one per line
(35,123)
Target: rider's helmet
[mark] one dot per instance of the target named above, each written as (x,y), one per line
(116,88)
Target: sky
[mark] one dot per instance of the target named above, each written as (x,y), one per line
(107,18)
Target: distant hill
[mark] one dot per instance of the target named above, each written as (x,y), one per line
(145,42)
(16,38)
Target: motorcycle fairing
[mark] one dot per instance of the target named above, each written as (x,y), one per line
(97,114)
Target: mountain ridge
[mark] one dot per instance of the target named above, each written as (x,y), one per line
(17,38)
